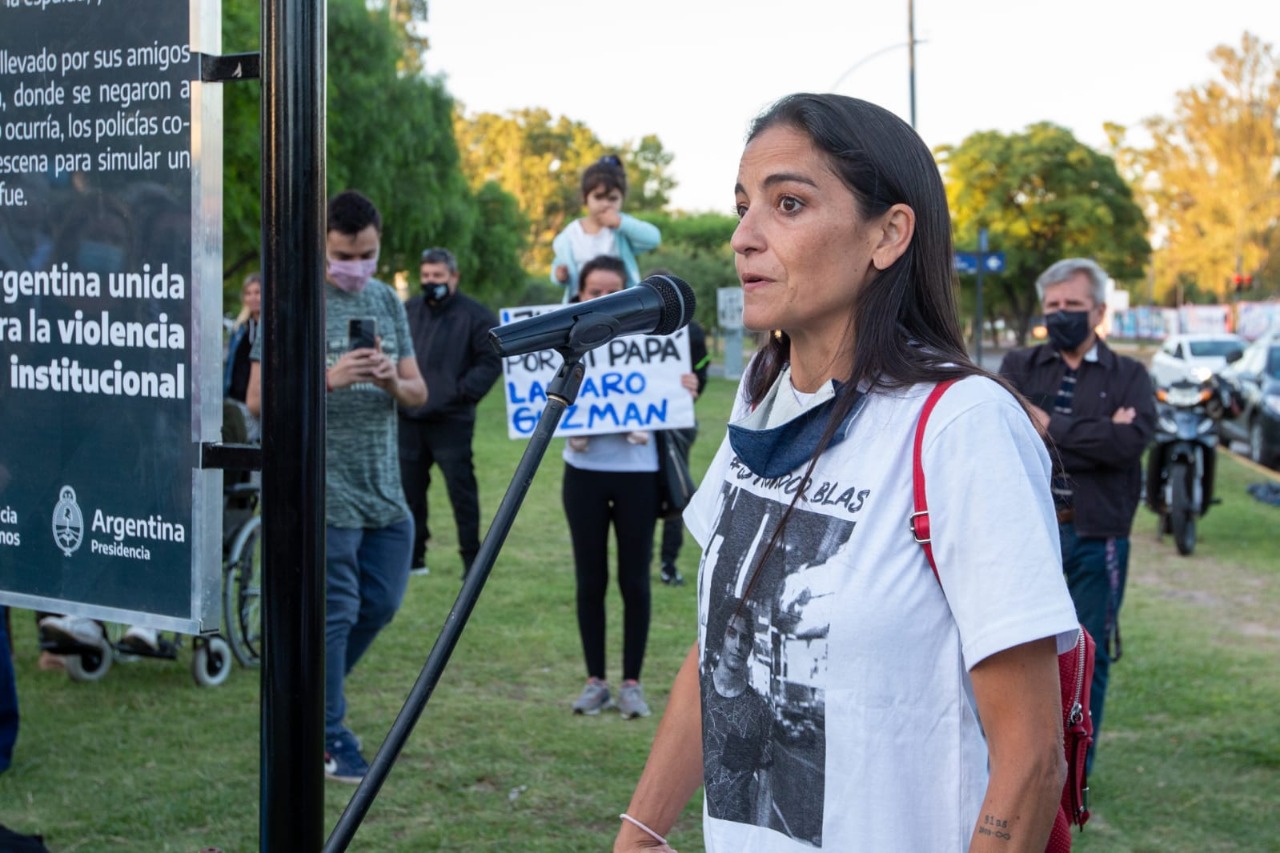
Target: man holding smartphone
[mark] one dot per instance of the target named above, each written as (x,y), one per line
(451,342)
(370,371)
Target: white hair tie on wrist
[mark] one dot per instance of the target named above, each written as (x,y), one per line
(655,836)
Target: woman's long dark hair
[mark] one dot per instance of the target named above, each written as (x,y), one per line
(904,322)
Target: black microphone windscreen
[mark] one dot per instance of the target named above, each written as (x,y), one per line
(678,302)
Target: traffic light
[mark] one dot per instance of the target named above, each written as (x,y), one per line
(1238,281)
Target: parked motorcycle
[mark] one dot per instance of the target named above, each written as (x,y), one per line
(1180,467)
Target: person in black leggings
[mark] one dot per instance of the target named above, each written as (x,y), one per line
(611,479)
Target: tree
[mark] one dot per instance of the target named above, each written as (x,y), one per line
(1211,174)
(490,260)
(389,134)
(529,155)
(540,160)
(1042,195)
(696,248)
(648,183)
(409,18)
(241,142)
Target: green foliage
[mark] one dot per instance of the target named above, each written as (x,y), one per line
(648,183)
(389,134)
(540,161)
(1212,174)
(409,17)
(409,165)
(490,261)
(536,160)
(696,248)
(699,233)
(241,142)
(1043,196)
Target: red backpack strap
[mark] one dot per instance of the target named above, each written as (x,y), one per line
(919,521)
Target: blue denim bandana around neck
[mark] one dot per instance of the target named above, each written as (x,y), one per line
(782,449)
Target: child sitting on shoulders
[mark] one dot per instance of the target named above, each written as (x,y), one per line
(605,230)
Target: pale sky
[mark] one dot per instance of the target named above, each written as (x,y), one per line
(694,72)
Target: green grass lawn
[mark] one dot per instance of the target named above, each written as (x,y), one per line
(146,761)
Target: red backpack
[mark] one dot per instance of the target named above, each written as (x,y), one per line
(1075,667)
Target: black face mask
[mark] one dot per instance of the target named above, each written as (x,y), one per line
(435,292)
(1067,329)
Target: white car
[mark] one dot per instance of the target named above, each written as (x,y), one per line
(1193,356)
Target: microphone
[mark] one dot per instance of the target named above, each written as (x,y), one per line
(656,306)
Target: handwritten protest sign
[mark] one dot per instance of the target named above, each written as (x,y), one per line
(631,383)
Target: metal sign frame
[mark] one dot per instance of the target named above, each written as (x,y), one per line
(47,460)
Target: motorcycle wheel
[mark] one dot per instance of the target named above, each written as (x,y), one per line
(1181,514)
(1256,450)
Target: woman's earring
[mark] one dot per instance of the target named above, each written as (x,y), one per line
(777,335)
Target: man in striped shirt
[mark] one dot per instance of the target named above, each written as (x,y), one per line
(1096,410)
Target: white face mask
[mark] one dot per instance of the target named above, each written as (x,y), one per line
(352,276)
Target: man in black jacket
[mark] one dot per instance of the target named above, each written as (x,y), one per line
(451,342)
(1097,412)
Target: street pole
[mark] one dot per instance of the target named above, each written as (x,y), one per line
(977,320)
(291,775)
(911,62)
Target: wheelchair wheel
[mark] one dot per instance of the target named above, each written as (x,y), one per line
(211,662)
(242,596)
(92,663)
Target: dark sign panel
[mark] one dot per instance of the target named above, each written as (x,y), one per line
(106,337)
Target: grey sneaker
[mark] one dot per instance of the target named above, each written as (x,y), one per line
(594,699)
(631,700)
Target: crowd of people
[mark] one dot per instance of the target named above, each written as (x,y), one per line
(404,401)
(834,684)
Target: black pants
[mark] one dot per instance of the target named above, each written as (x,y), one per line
(447,444)
(628,499)
(673,528)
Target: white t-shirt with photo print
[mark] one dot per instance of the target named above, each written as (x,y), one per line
(861,655)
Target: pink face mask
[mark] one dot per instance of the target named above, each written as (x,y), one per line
(352,276)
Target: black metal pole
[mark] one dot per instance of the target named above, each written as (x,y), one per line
(560,393)
(293,228)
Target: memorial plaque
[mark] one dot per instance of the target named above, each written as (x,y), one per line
(110,294)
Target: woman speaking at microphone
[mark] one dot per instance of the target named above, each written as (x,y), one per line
(839,696)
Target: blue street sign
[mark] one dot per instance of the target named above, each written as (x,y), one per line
(967,262)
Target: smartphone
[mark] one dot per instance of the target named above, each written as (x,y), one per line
(362,333)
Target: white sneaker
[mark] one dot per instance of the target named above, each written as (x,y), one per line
(419,571)
(72,629)
(141,639)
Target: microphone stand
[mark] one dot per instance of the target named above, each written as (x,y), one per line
(561,392)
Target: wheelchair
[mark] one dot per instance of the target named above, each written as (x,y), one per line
(241,564)
(90,658)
